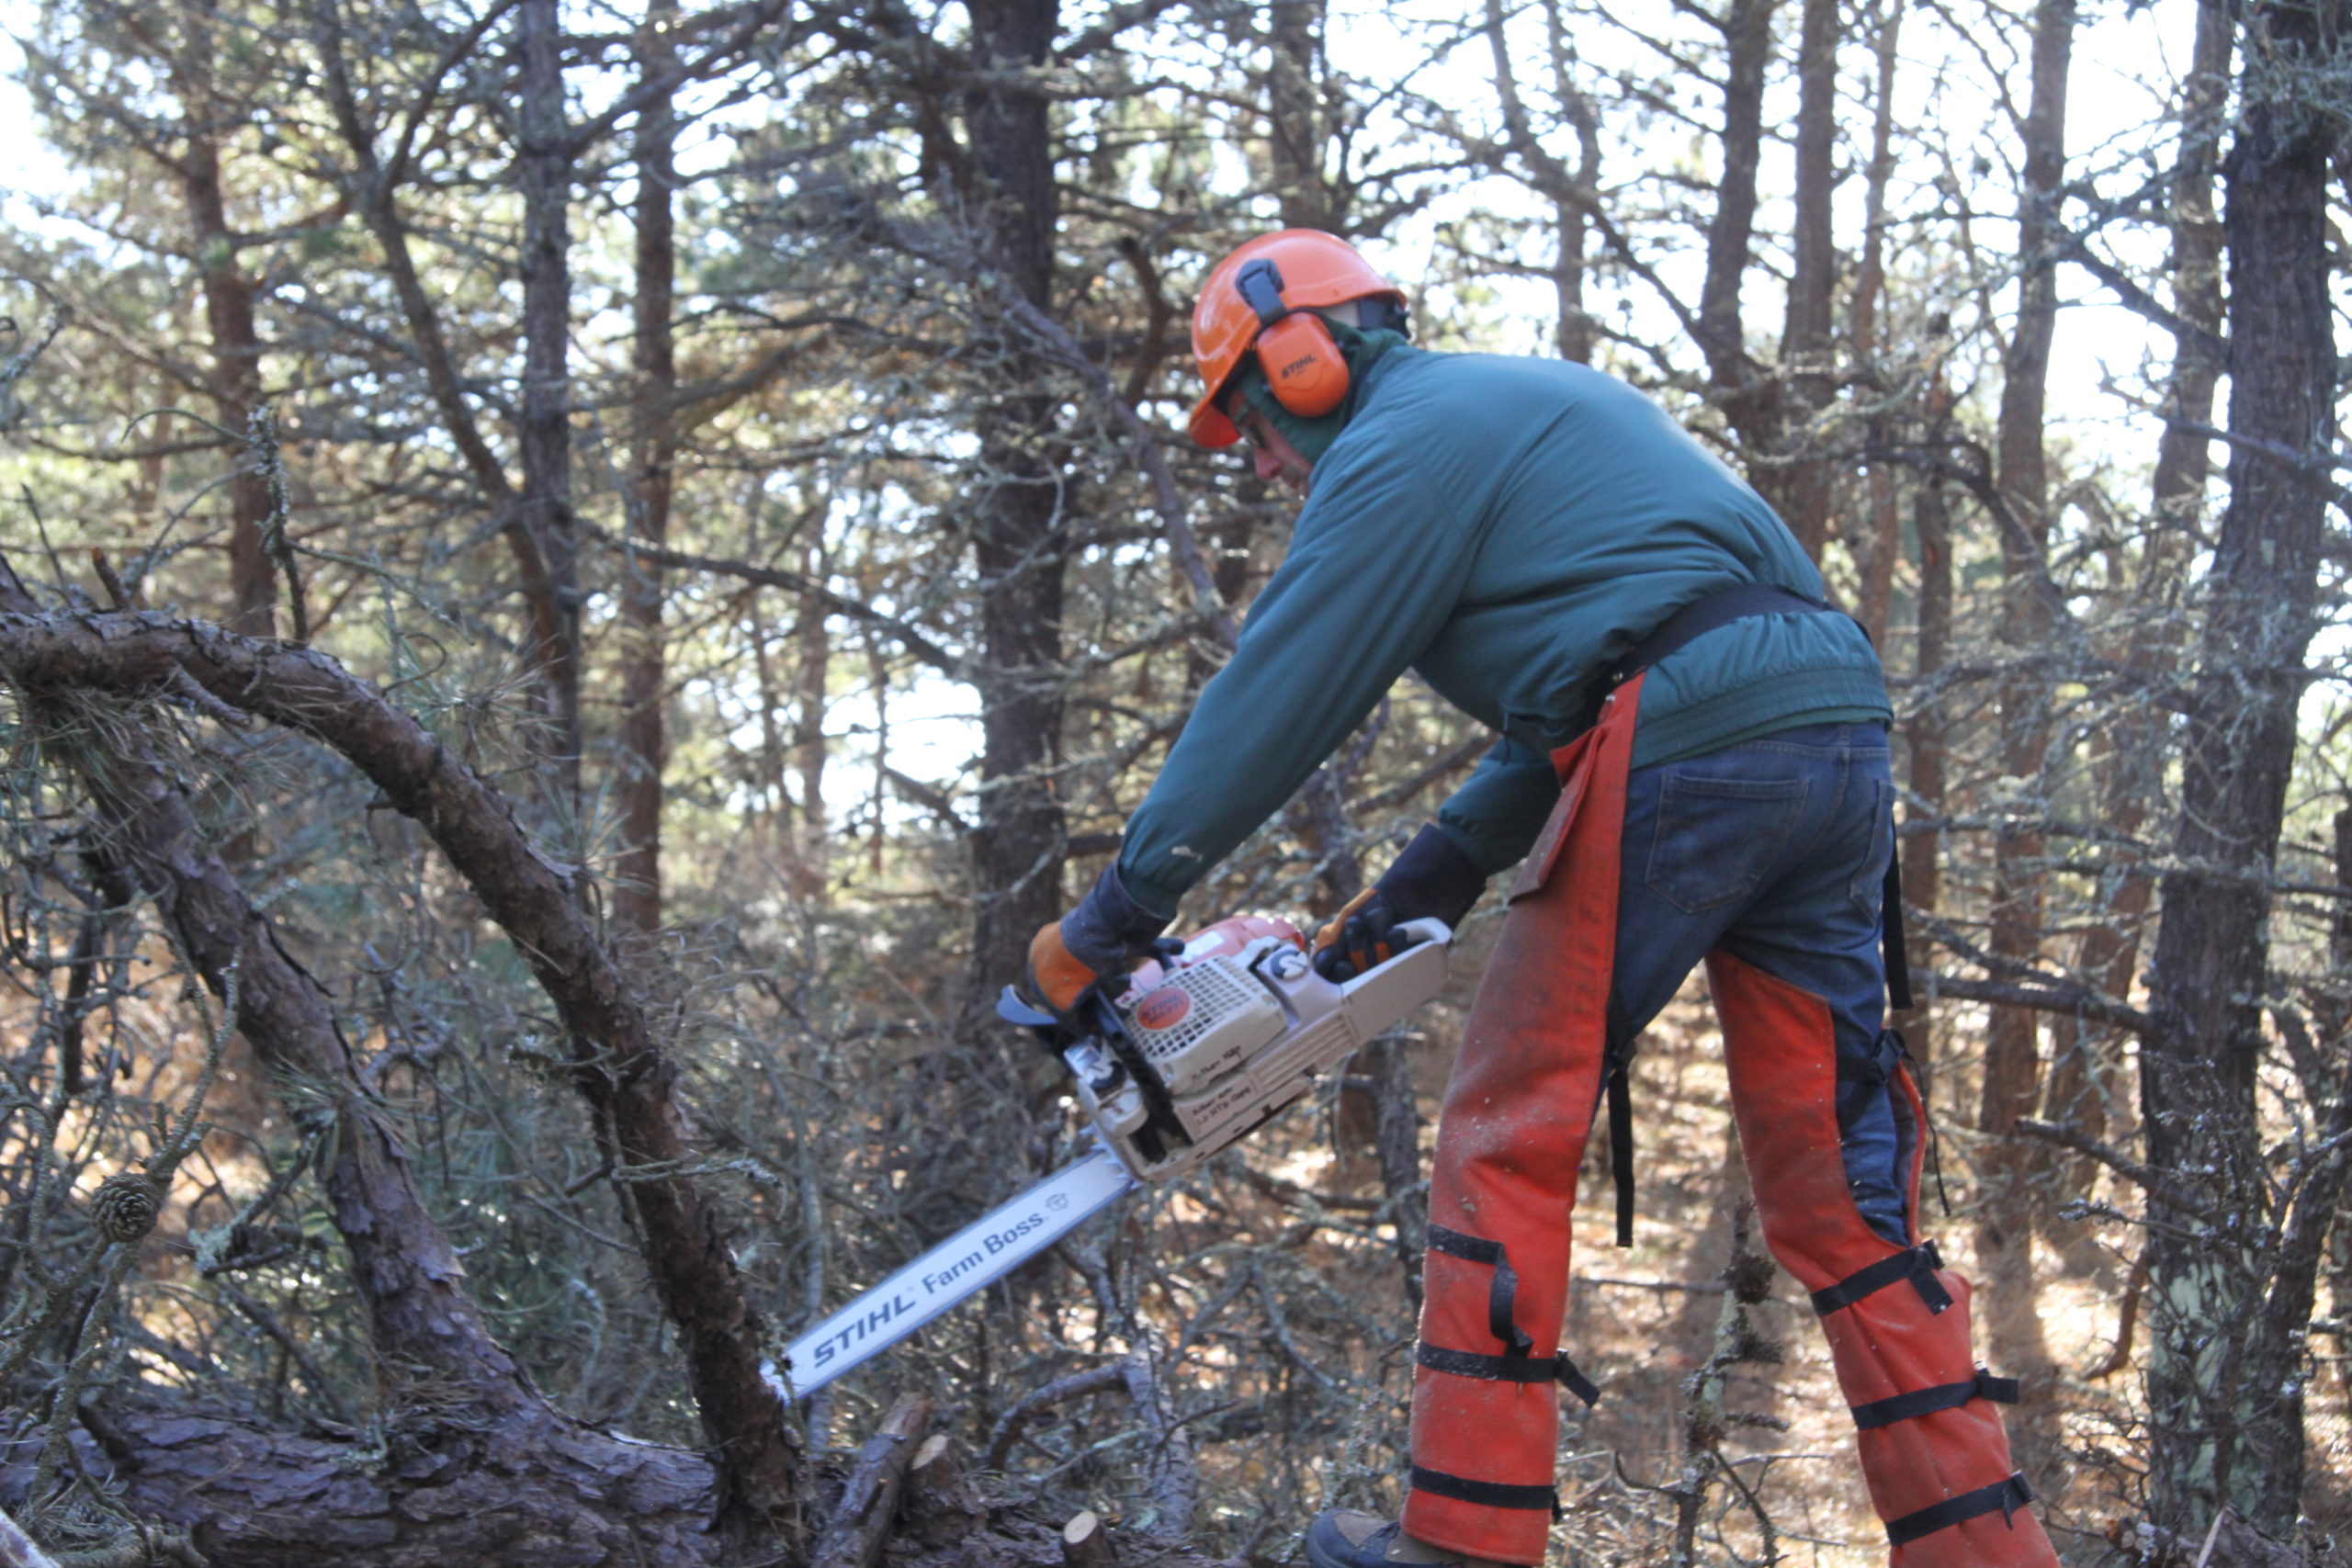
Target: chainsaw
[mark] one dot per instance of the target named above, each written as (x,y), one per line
(1195,1049)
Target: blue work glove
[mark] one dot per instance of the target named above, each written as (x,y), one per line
(1104,935)
(1433,878)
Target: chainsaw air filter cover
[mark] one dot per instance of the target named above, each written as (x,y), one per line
(1203,1022)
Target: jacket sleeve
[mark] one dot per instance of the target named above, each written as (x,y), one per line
(1501,806)
(1376,565)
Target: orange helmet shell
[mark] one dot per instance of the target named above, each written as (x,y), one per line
(1317,269)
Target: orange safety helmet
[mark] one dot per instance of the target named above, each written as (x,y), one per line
(1260,297)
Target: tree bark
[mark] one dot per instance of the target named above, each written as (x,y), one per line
(1801,488)
(862,1521)
(1295,133)
(636,891)
(543,159)
(1923,854)
(2224,1429)
(520,1486)
(2011,1088)
(1574,332)
(229,316)
(1022,539)
(1747,37)
(813,640)
(2131,778)
(1879,541)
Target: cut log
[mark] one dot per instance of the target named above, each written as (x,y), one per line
(939,1508)
(2233,1544)
(869,1503)
(932,1462)
(1085,1543)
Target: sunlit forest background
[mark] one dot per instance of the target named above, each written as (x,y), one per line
(578,581)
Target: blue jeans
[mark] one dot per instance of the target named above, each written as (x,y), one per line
(1776,851)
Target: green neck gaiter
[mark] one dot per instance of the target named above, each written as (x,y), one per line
(1313,437)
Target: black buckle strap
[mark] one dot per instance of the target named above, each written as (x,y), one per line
(1887,1053)
(2005,1496)
(1621,1147)
(1509,1368)
(1892,945)
(1874,1071)
(1918,1264)
(1927,1401)
(1505,1290)
(1700,616)
(1688,625)
(1485,1494)
(1259,284)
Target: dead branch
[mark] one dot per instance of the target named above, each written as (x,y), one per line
(913,639)
(16,1547)
(2156,1183)
(2062,997)
(869,1504)
(1078,1384)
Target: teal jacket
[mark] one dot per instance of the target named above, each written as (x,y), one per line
(1506,527)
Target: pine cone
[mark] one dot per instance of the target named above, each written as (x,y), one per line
(126,1206)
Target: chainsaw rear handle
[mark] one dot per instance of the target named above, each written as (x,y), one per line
(1429,928)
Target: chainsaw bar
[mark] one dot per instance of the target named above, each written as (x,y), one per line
(1206,1042)
(957,1269)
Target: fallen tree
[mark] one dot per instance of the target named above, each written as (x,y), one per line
(494,1470)
(466,1461)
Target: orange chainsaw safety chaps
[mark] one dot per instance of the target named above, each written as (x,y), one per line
(1503,1186)
(1933,1450)
(1485,1416)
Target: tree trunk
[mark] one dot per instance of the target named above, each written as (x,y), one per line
(1021,537)
(1923,853)
(1881,541)
(521,1487)
(543,175)
(228,315)
(1747,37)
(813,638)
(1295,134)
(1801,487)
(2132,779)
(1754,400)
(374,187)
(2223,1430)
(1574,332)
(2012,1047)
(637,892)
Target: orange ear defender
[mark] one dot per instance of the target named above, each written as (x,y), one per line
(1303,363)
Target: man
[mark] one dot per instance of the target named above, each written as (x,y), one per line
(1694,748)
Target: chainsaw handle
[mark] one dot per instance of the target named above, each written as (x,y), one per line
(1429,928)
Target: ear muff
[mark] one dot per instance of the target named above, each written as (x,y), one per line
(1303,363)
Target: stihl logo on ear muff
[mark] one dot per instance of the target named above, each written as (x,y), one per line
(1303,363)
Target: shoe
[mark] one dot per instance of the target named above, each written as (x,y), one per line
(1345,1538)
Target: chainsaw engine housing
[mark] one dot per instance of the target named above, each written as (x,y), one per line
(1203,1046)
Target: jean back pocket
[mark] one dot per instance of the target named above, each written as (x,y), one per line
(1717,837)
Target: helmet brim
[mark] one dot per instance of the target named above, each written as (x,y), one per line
(1209,425)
